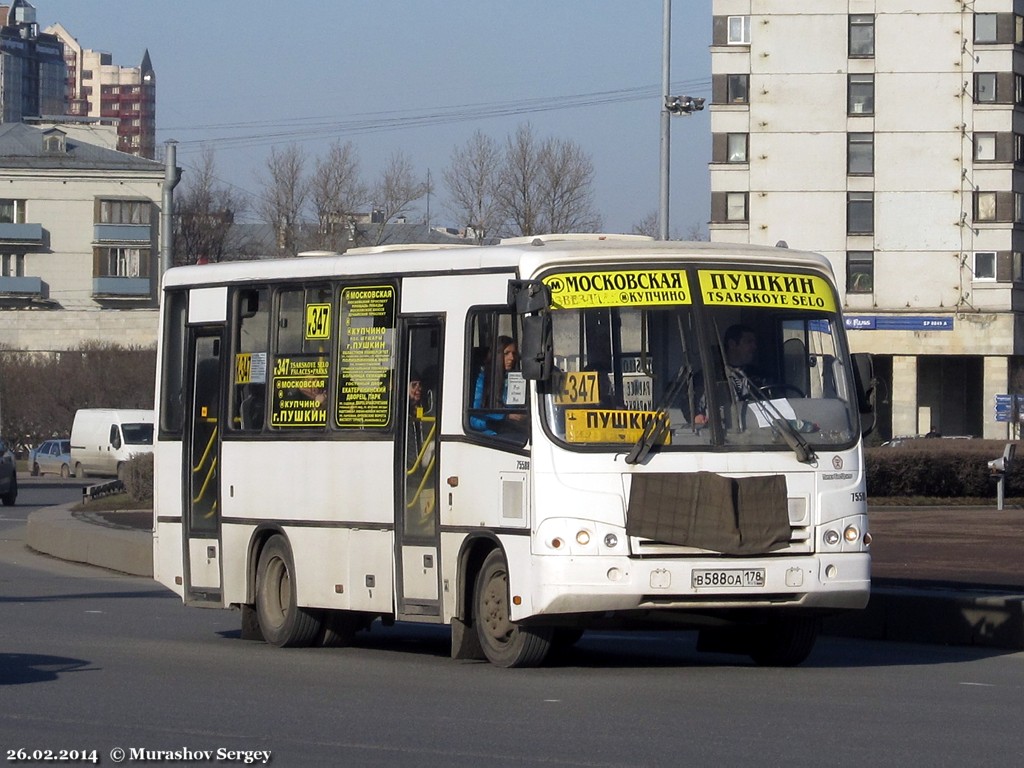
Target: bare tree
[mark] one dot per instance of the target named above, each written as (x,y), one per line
(648,225)
(204,215)
(517,183)
(566,199)
(285,192)
(545,186)
(337,192)
(472,181)
(393,195)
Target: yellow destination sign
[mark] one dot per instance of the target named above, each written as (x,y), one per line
(631,288)
(243,368)
(607,426)
(578,388)
(727,287)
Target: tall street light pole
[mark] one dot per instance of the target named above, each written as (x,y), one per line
(666,38)
(670,105)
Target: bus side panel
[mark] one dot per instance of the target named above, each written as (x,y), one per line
(340,569)
(484,494)
(336,481)
(168,563)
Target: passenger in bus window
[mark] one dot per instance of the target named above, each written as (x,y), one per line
(420,406)
(494,423)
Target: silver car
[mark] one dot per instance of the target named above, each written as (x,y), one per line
(8,476)
(51,457)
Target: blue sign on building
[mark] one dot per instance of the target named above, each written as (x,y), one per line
(898,323)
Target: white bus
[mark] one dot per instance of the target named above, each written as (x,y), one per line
(522,441)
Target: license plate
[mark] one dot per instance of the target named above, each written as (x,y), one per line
(728,577)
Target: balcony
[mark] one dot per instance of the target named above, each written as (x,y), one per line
(121,233)
(121,287)
(21,287)
(21,234)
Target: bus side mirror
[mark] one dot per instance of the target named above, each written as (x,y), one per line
(864,382)
(531,299)
(535,352)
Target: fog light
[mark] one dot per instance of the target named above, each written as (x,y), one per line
(583,537)
(611,540)
(831,571)
(614,574)
(831,537)
(851,534)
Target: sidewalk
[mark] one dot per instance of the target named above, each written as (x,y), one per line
(948,575)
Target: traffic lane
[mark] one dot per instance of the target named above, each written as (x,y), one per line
(106,660)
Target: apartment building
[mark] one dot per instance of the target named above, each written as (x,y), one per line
(889,136)
(100,90)
(31,66)
(79,241)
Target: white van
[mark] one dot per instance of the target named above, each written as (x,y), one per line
(103,439)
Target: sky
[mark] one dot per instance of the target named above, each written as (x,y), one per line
(244,76)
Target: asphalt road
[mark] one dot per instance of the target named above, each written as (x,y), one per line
(93,660)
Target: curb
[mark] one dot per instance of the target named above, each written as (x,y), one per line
(55,531)
(945,615)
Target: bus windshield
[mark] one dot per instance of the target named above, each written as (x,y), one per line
(749,370)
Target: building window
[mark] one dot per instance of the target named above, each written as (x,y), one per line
(861,98)
(860,213)
(736,206)
(122,262)
(125,211)
(985,265)
(984,206)
(984,147)
(985,28)
(1018,148)
(860,154)
(736,147)
(12,211)
(984,87)
(12,265)
(860,271)
(1018,266)
(737,89)
(862,36)
(739,30)
(1018,208)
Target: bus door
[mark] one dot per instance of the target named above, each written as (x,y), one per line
(416,524)
(202,481)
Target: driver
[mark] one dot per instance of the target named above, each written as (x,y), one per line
(740,347)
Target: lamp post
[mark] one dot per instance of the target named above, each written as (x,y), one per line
(671,105)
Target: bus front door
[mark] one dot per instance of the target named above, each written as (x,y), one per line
(202,480)
(416,525)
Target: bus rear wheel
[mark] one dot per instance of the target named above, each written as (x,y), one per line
(282,622)
(504,643)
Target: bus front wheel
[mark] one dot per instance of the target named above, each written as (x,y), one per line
(282,622)
(505,643)
(785,642)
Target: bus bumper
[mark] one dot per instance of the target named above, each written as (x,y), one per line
(573,585)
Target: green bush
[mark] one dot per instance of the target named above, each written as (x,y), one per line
(941,468)
(138,479)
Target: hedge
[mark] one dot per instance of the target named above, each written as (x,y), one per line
(944,468)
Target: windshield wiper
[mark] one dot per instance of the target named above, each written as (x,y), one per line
(657,427)
(796,441)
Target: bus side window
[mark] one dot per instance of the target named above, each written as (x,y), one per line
(251,324)
(495,389)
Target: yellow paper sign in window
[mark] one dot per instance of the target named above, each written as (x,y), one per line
(577,388)
(318,321)
(243,368)
(628,288)
(608,426)
(729,287)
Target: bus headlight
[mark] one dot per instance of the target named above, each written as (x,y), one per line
(583,537)
(851,534)
(611,540)
(831,537)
